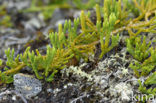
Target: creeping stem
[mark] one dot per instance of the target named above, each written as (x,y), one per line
(15,70)
(133,24)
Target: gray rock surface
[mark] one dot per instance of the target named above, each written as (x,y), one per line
(27,85)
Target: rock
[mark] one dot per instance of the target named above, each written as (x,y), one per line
(31,26)
(27,85)
(57,15)
(34,23)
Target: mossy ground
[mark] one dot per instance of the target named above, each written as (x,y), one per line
(99,77)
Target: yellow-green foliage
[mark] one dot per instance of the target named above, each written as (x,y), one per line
(1,62)
(5,19)
(47,9)
(143,53)
(144,90)
(138,48)
(79,4)
(146,62)
(112,18)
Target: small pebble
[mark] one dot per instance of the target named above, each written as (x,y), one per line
(27,85)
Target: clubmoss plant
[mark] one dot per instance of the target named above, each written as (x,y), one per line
(150,92)
(70,43)
(138,48)
(140,69)
(143,53)
(145,63)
